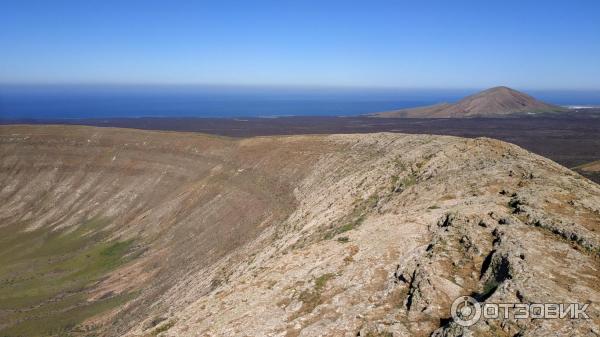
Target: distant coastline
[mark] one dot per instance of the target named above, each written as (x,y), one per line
(79,102)
(576,107)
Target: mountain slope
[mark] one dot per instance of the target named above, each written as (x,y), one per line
(590,170)
(297,236)
(494,102)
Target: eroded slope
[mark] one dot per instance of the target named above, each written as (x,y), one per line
(493,102)
(300,236)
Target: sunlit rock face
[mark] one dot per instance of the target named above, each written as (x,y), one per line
(123,232)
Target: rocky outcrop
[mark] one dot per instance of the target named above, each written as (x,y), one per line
(339,235)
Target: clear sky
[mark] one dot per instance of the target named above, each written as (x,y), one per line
(405,44)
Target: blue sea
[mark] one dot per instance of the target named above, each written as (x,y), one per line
(111,101)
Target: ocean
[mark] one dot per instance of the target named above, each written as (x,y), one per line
(113,101)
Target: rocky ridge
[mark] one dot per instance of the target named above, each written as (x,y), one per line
(339,235)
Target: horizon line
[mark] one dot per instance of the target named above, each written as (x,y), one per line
(278,86)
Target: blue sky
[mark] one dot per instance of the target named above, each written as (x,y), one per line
(404,44)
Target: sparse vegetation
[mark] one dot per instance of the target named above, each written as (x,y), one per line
(394,183)
(163,328)
(312,297)
(400,184)
(322,280)
(399,164)
(488,289)
(350,226)
(409,180)
(47,271)
(515,204)
(214,232)
(356,217)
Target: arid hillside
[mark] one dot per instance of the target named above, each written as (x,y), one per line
(590,170)
(119,232)
(493,102)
